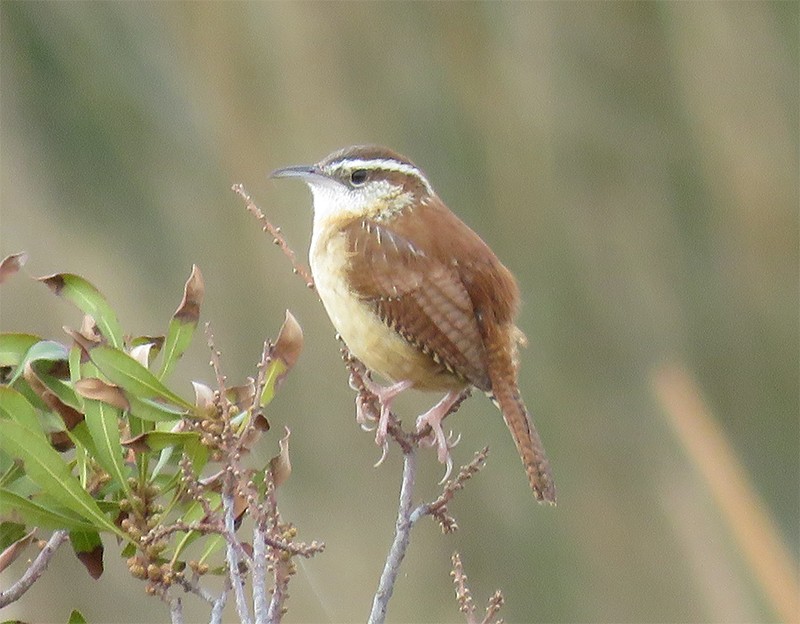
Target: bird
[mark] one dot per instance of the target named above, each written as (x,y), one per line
(416,295)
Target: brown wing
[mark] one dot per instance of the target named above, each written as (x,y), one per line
(406,268)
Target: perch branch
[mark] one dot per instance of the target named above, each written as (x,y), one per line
(400,543)
(35,570)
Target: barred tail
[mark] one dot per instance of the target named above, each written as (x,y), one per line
(529,445)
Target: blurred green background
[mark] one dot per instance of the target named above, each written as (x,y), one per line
(636,166)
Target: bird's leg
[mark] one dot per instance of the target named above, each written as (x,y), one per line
(433,418)
(385,396)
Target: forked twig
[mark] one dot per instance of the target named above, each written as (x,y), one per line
(408,516)
(464,595)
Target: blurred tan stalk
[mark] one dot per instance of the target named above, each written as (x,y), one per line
(745,513)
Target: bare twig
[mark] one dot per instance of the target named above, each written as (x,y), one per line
(438,508)
(408,516)
(193,587)
(279,592)
(400,543)
(260,605)
(495,602)
(219,607)
(35,570)
(275,232)
(176,610)
(232,555)
(463,594)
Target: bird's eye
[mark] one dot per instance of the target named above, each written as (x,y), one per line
(358,177)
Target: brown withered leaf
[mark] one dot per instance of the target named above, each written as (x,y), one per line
(94,388)
(10,265)
(189,309)
(141,353)
(137,444)
(203,396)
(61,441)
(71,417)
(14,550)
(280,466)
(242,396)
(212,483)
(239,507)
(156,342)
(86,337)
(251,436)
(92,560)
(290,342)
(260,422)
(89,329)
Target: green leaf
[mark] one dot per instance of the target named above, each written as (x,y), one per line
(147,409)
(10,532)
(13,472)
(214,544)
(102,420)
(158,440)
(89,300)
(123,370)
(46,468)
(184,322)
(62,389)
(43,350)
(76,617)
(14,406)
(39,514)
(13,347)
(275,371)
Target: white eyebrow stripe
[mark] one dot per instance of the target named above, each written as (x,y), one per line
(387,165)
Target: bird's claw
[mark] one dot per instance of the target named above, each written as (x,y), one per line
(384,453)
(448,468)
(364,419)
(437,438)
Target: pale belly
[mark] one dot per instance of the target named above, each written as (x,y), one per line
(381,349)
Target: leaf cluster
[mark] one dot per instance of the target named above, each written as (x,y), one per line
(96,441)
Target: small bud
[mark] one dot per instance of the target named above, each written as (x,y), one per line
(153,572)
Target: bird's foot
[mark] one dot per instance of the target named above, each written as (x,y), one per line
(385,396)
(437,438)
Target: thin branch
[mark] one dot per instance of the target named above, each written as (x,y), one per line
(277,235)
(279,592)
(495,602)
(193,587)
(176,610)
(260,606)
(219,607)
(275,610)
(400,544)
(232,556)
(438,508)
(466,604)
(463,594)
(35,570)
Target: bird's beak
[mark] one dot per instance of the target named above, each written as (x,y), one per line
(307,173)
